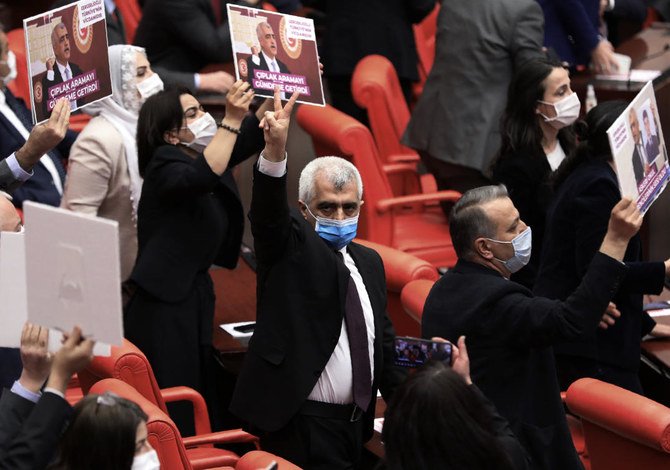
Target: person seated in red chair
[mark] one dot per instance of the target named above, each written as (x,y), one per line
(32,419)
(510,331)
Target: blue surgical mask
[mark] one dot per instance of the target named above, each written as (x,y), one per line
(522,244)
(337,233)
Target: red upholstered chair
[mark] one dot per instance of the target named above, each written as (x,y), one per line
(622,430)
(413,297)
(162,433)
(257,459)
(401,268)
(404,222)
(375,87)
(424,36)
(131,13)
(128,364)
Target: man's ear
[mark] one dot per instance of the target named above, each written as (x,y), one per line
(171,137)
(303,209)
(483,248)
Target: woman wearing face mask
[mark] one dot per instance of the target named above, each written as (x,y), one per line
(536,136)
(189,218)
(586,191)
(107,432)
(103,176)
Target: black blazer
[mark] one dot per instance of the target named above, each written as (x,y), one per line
(40,187)
(577,223)
(510,333)
(526,176)
(301,295)
(182,35)
(638,167)
(181,198)
(29,433)
(356,29)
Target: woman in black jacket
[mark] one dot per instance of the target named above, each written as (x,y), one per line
(536,136)
(189,217)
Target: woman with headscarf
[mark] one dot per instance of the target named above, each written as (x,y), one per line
(103,176)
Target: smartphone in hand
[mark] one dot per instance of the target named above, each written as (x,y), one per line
(415,352)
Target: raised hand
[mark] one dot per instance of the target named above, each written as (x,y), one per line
(34,356)
(73,356)
(609,317)
(460,361)
(275,126)
(238,100)
(45,136)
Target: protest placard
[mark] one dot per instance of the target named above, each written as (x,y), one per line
(73,272)
(14,310)
(66,51)
(275,49)
(639,150)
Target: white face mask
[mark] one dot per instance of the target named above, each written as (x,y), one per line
(147,461)
(522,244)
(150,86)
(566,109)
(11,63)
(203,129)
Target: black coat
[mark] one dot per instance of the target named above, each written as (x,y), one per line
(29,432)
(577,223)
(301,296)
(182,35)
(509,335)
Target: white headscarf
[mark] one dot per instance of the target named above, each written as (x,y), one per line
(122,109)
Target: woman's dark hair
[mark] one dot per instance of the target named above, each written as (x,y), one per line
(161,112)
(101,435)
(520,129)
(435,420)
(593,141)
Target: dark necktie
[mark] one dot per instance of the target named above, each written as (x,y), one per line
(22,113)
(358,344)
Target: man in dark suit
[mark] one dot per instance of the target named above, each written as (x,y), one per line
(31,152)
(509,331)
(59,69)
(266,59)
(652,144)
(182,36)
(31,420)
(639,156)
(310,377)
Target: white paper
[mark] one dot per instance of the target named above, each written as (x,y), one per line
(659,313)
(241,337)
(90,11)
(634,75)
(14,310)
(623,61)
(56,341)
(379,425)
(73,273)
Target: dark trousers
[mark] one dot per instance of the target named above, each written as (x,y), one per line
(452,176)
(572,368)
(313,442)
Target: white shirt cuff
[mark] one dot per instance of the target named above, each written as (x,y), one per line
(18,172)
(22,391)
(275,169)
(196,80)
(55,392)
(50,75)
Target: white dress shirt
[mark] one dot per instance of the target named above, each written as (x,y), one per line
(335,385)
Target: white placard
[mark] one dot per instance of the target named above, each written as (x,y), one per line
(73,272)
(14,310)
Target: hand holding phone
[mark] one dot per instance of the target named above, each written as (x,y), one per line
(415,352)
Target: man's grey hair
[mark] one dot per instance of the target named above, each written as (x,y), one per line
(338,171)
(468,221)
(259,28)
(54,37)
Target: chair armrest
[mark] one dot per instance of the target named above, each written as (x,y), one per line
(200,414)
(394,168)
(404,158)
(229,436)
(385,205)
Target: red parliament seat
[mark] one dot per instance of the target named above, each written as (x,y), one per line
(622,430)
(401,268)
(375,87)
(424,35)
(258,459)
(131,13)
(128,364)
(404,223)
